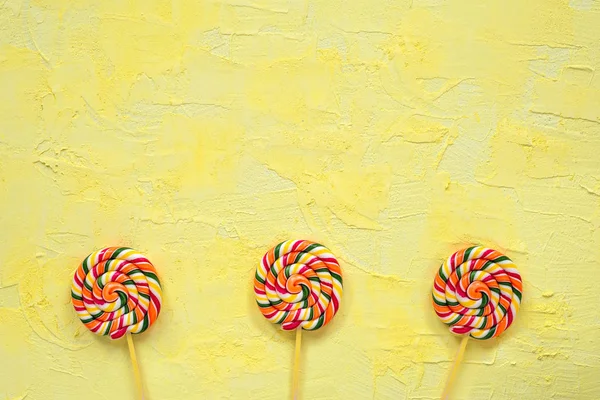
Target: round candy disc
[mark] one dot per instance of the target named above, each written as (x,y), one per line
(298,284)
(477,291)
(116,291)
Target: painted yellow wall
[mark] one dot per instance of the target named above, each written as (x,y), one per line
(394,132)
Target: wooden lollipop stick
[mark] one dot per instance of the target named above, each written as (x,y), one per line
(136,368)
(296,374)
(454,369)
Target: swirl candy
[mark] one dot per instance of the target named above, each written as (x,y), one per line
(116,291)
(477,291)
(298,284)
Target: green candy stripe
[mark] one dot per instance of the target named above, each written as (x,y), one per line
(336,277)
(517,293)
(85,264)
(484,301)
(277,250)
(312,247)
(152,276)
(441,273)
(119,251)
(468,253)
(258,278)
(319,322)
(305,292)
(439,303)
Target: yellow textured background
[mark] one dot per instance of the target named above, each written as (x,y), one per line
(394,132)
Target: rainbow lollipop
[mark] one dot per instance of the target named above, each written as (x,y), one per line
(477,292)
(116,292)
(298,285)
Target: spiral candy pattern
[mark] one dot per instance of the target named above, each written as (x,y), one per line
(298,284)
(477,291)
(116,291)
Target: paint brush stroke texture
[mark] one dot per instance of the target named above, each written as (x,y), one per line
(395,132)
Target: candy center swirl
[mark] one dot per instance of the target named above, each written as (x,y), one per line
(477,291)
(116,291)
(298,284)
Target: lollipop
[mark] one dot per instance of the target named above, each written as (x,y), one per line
(298,285)
(477,292)
(116,292)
